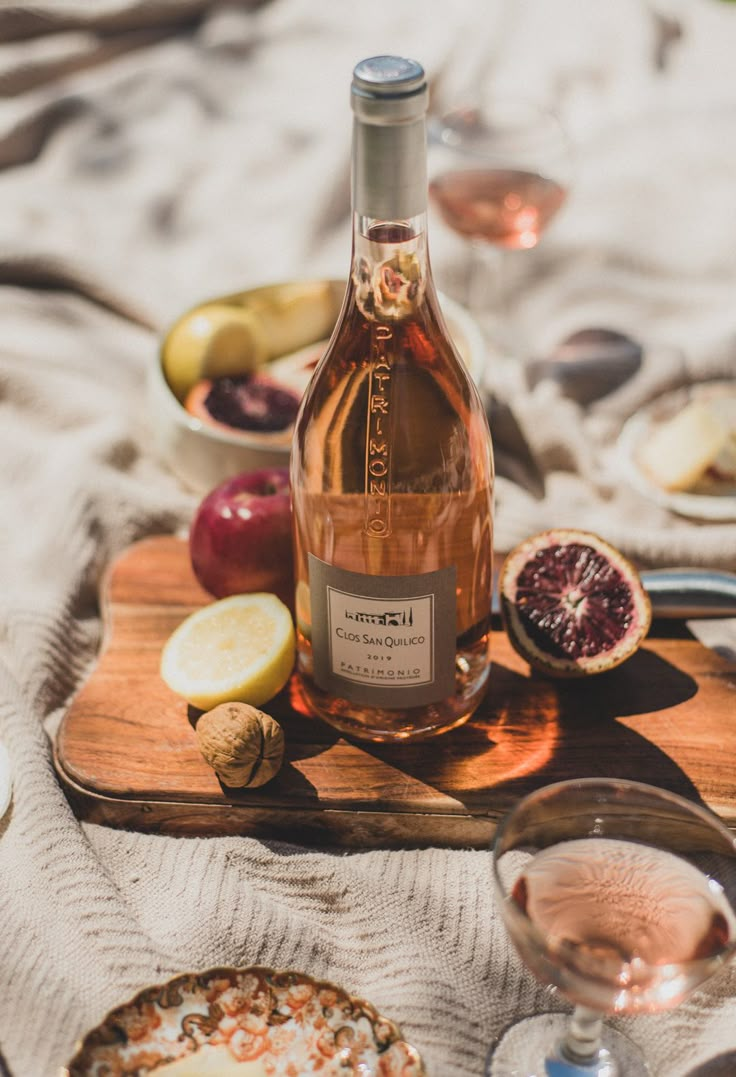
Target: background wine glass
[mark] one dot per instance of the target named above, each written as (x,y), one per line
(620,895)
(499,173)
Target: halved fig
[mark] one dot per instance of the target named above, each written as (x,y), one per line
(572,604)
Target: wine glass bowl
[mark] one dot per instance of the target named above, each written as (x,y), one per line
(500,172)
(621,896)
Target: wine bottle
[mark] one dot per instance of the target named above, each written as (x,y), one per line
(391,464)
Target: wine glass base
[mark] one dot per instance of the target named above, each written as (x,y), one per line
(529,1049)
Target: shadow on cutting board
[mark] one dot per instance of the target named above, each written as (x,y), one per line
(534,731)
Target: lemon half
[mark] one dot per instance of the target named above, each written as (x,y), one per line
(214,340)
(240,648)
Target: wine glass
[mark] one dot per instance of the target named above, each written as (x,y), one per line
(620,895)
(498,174)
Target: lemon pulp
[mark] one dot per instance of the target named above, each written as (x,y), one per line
(238,649)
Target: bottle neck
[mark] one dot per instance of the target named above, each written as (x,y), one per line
(390,266)
(390,270)
(389,170)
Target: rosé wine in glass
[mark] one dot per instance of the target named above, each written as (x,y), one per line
(623,897)
(645,924)
(507,206)
(500,171)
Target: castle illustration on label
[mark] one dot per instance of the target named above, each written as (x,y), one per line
(394,618)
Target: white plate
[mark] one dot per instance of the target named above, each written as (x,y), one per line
(699,506)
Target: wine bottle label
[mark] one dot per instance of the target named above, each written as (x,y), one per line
(386,641)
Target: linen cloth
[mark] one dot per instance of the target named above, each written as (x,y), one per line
(154,154)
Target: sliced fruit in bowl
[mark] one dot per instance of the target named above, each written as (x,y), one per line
(572,604)
(226,385)
(240,333)
(253,402)
(217,407)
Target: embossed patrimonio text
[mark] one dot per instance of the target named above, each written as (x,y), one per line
(378,455)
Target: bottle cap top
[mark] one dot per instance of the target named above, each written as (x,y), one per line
(389,89)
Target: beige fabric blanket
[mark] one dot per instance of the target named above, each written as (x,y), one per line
(156,153)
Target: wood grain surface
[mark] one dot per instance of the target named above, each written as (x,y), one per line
(127,755)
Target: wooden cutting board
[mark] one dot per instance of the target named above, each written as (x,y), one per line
(126,751)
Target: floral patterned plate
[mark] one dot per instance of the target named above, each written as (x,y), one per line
(251,1022)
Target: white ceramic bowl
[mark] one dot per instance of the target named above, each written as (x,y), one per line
(202,455)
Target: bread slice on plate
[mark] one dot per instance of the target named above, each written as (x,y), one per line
(679,452)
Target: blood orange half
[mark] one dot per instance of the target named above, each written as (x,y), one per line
(572,604)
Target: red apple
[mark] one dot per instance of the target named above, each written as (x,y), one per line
(240,538)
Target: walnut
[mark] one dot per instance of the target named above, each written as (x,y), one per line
(244,746)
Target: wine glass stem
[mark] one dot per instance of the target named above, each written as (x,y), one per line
(485,296)
(583,1039)
(484,278)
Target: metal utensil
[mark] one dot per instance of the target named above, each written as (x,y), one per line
(681,593)
(690,593)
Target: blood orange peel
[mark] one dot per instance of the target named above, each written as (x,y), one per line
(572,604)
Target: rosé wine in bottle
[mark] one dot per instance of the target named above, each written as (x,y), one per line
(392,468)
